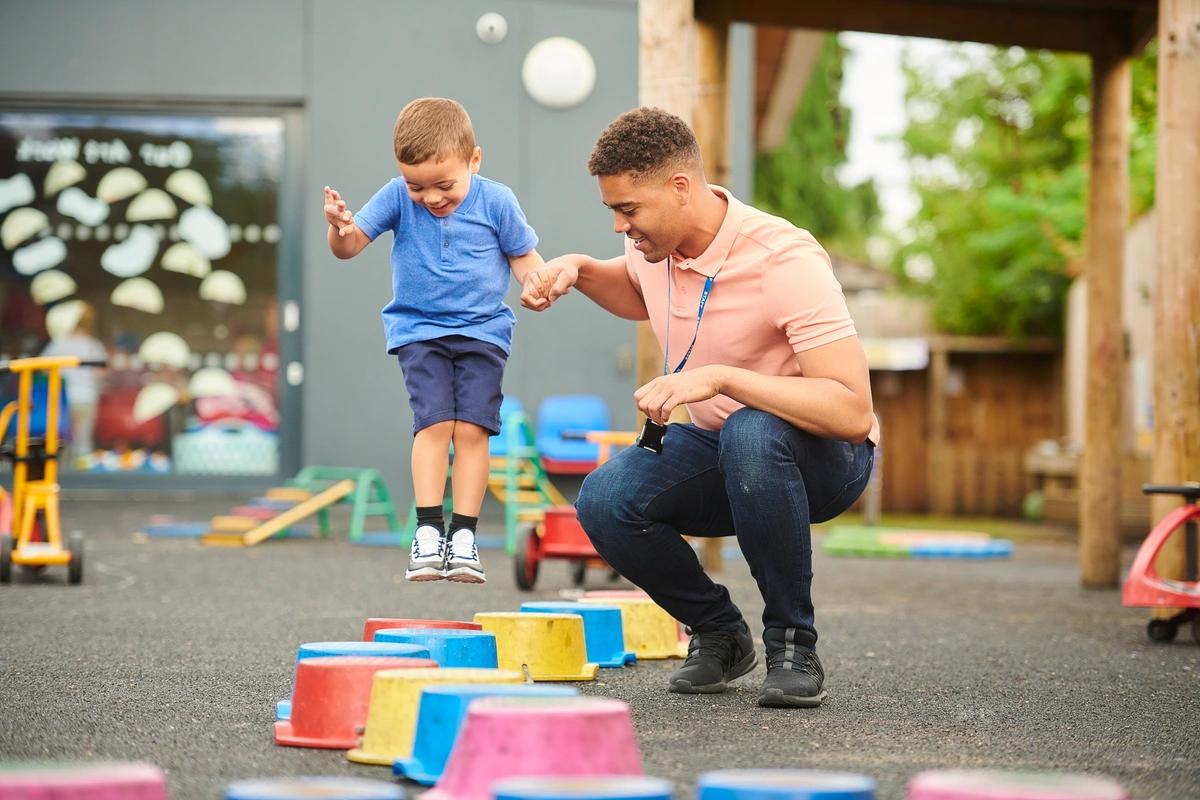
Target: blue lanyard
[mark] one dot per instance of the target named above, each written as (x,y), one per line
(708,284)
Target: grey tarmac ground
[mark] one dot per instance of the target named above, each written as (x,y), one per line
(175,654)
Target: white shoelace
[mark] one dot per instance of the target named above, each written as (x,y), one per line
(462,546)
(427,543)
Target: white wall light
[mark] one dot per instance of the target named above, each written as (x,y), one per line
(559,72)
(491,28)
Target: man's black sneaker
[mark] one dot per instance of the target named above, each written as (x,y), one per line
(795,678)
(714,658)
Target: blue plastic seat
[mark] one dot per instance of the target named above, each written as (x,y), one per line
(498,444)
(570,413)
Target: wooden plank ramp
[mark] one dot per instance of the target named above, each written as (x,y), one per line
(259,531)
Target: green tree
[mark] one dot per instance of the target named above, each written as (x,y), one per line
(798,180)
(999,156)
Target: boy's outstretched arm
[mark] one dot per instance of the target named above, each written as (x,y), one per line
(522,265)
(345,238)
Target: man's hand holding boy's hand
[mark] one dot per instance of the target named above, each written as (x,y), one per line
(337,214)
(543,286)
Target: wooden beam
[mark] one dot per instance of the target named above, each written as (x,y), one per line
(940,483)
(711,112)
(1177,286)
(1108,212)
(666,79)
(1073,29)
(801,52)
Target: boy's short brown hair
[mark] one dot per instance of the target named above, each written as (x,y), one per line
(645,142)
(433,127)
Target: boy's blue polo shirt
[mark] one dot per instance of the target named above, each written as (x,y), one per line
(449,274)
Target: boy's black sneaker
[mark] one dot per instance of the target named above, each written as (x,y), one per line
(795,677)
(714,658)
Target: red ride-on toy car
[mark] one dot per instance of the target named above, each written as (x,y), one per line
(1146,588)
(559,534)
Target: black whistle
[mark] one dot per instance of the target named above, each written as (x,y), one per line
(651,437)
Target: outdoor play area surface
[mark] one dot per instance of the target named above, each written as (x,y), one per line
(175,654)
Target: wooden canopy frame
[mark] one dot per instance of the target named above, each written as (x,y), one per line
(684,69)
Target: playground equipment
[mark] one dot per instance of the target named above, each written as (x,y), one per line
(558,533)
(616,787)
(395,699)
(83,781)
(442,711)
(374,624)
(406,656)
(558,736)
(784,784)
(550,647)
(314,490)
(873,542)
(987,784)
(305,788)
(602,630)
(448,647)
(36,540)
(1146,588)
(331,696)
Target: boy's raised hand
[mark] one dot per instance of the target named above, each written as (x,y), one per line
(337,214)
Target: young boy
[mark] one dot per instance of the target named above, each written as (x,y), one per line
(457,236)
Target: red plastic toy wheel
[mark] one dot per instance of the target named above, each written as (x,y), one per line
(527,558)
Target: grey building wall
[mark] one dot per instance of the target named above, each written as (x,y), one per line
(341,72)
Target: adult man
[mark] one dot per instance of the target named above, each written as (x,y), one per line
(777,386)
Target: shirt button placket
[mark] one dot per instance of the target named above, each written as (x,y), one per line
(445,241)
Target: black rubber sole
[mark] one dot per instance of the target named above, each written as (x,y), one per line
(775,698)
(680,686)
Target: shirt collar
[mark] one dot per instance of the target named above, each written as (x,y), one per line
(710,261)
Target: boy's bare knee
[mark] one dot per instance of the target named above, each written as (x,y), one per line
(438,430)
(470,433)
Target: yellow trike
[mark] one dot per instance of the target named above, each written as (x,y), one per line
(35,539)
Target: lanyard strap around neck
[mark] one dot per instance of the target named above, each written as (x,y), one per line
(708,284)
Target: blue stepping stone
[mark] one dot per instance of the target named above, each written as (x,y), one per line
(441,715)
(783,784)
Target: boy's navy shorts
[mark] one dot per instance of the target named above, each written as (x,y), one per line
(453,377)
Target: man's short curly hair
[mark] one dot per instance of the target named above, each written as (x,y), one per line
(645,142)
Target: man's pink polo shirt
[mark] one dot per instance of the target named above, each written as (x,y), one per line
(774,295)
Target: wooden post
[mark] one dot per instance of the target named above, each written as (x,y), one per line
(1177,288)
(711,123)
(940,481)
(1108,211)
(666,79)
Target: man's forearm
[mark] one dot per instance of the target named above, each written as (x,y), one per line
(821,406)
(607,284)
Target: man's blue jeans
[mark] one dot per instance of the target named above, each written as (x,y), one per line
(758,478)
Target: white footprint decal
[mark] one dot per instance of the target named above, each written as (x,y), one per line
(205,231)
(120,183)
(132,256)
(183,258)
(21,225)
(42,254)
(151,204)
(223,287)
(51,286)
(61,175)
(165,349)
(190,185)
(140,294)
(15,191)
(75,203)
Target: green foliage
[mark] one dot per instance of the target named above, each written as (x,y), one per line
(999,155)
(798,180)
